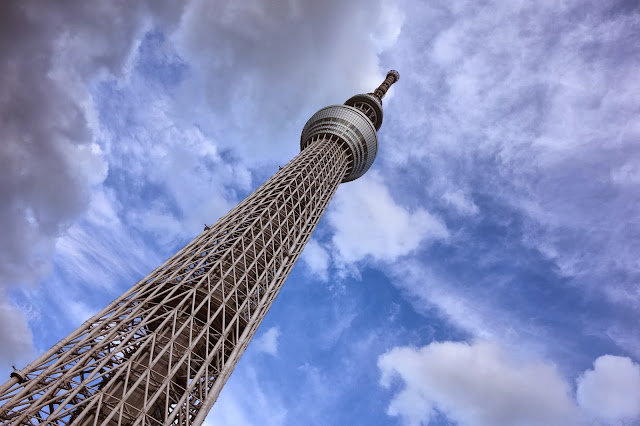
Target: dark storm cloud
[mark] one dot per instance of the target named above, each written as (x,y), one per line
(56,148)
(265,66)
(15,335)
(48,155)
(49,158)
(39,192)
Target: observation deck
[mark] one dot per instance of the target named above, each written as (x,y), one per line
(352,125)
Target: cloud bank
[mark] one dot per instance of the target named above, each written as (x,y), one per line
(49,154)
(483,384)
(475,385)
(504,195)
(610,392)
(253,44)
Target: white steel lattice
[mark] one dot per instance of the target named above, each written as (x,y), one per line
(161,352)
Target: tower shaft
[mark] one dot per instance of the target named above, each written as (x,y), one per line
(161,352)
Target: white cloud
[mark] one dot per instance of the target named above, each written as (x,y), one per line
(387,27)
(244,402)
(267,342)
(89,255)
(317,259)
(15,336)
(535,116)
(49,152)
(475,385)
(611,391)
(626,175)
(461,202)
(337,324)
(172,175)
(471,304)
(276,53)
(484,383)
(192,174)
(77,311)
(553,123)
(368,222)
(426,289)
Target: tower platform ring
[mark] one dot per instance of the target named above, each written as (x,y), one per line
(374,103)
(352,128)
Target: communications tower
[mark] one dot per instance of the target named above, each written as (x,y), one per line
(160,353)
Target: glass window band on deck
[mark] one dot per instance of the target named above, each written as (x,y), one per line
(352,128)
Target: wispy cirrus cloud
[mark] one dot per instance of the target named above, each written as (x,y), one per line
(50,153)
(533,112)
(501,204)
(50,158)
(245,402)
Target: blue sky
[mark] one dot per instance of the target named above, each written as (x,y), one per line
(483,272)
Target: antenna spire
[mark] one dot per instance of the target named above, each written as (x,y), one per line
(392,77)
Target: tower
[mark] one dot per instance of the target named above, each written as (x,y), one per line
(160,353)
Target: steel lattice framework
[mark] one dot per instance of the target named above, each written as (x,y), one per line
(161,352)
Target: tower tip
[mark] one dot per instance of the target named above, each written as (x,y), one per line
(392,77)
(395,74)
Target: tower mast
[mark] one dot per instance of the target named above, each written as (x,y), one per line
(161,353)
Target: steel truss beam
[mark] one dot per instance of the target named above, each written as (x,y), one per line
(160,353)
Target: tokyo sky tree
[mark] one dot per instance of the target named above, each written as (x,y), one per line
(160,353)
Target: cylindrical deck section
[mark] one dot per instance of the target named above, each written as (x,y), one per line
(352,129)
